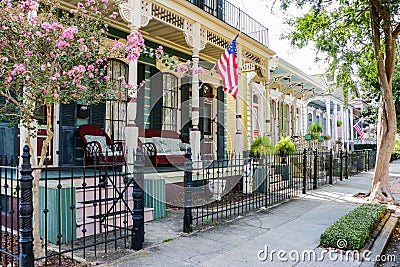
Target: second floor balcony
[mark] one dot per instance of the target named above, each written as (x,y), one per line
(235,17)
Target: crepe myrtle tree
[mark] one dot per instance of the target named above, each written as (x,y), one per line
(49,56)
(358,39)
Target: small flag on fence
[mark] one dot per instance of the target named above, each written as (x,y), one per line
(227,68)
(359,129)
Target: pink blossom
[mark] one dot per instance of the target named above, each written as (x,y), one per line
(199,70)
(107,78)
(81,41)
(61,44)
(142,83)
(46,26)
(43,90)
(90,67)
(27,77)
(80,5)
(160,49)
(104,1)
(9,79)
(99,61)
(114,15)
(55,76)
(4,59)
(55,95)
(21,16)
(52,54)
(73,11)
(84,48)
(28,53)
(69,33)
(74,95)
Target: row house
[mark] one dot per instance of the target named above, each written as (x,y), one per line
(275,98)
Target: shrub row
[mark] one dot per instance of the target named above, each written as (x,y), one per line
(355,227)
(364,146)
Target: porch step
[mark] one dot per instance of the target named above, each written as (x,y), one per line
(92,225)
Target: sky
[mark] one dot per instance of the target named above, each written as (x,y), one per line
(301,58)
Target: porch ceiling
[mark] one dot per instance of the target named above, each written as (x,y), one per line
(293,80)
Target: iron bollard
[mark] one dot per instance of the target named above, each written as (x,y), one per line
(330,166)
(341,165)
(26,257)
(305,171)
(187,217)
(315,180)
(138,201)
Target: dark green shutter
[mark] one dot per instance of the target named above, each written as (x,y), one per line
(156,99)
(98,115)
(201,115)
(185,118)
(140,97)
(220,123)
(8,140)
(67,133)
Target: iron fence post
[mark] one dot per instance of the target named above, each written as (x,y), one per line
(315,180)
(346,162)
(305,171)
(341,165)
(187,217)
(138,201)
(330,166)
(26,257)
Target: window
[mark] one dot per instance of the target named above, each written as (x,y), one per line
(255,116)
(116,110)
(170,102)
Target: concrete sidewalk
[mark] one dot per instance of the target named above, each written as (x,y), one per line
(293,227)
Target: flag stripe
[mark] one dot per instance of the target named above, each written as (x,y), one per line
(359,129)
(227,68)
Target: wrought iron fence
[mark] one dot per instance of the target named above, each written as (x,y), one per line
(83,211)
(87,210)
(240,183)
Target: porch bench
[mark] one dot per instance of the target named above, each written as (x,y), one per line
(163,147)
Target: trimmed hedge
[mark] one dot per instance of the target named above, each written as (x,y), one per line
(355,227)
(364,146)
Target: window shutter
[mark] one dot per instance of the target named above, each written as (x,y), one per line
(98,115)
(220,123)
(156,99)
(185,119)
(67,133)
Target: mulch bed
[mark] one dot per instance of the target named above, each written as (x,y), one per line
(391,255)
(9,243)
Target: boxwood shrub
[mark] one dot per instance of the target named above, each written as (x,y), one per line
(355,227)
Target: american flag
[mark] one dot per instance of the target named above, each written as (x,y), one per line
(227,68)
(359,129)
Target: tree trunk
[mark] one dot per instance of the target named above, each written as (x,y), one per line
(38,246)
(386,135)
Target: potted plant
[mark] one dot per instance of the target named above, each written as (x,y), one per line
(283,148)
(262,145)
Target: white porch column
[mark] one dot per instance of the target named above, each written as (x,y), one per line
(305,118)
(328,120)
(195,134)
(351,128)
(241,96)
(334,122)
(267,121)
(343,114)
(131,130)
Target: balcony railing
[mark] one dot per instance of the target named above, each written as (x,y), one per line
(235,17)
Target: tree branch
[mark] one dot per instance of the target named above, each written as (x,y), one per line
(396,31)
(380,9)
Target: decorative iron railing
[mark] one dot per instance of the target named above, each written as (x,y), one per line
(235,17)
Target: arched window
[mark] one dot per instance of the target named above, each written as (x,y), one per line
(170,102)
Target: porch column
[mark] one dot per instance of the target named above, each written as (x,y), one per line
(241,96)
(351,128)
(334,124)
(305,118)
(131,130)
(195,134)
(268,131)
(342,130)
(328,120)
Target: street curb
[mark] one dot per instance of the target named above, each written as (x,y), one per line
(382,240)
